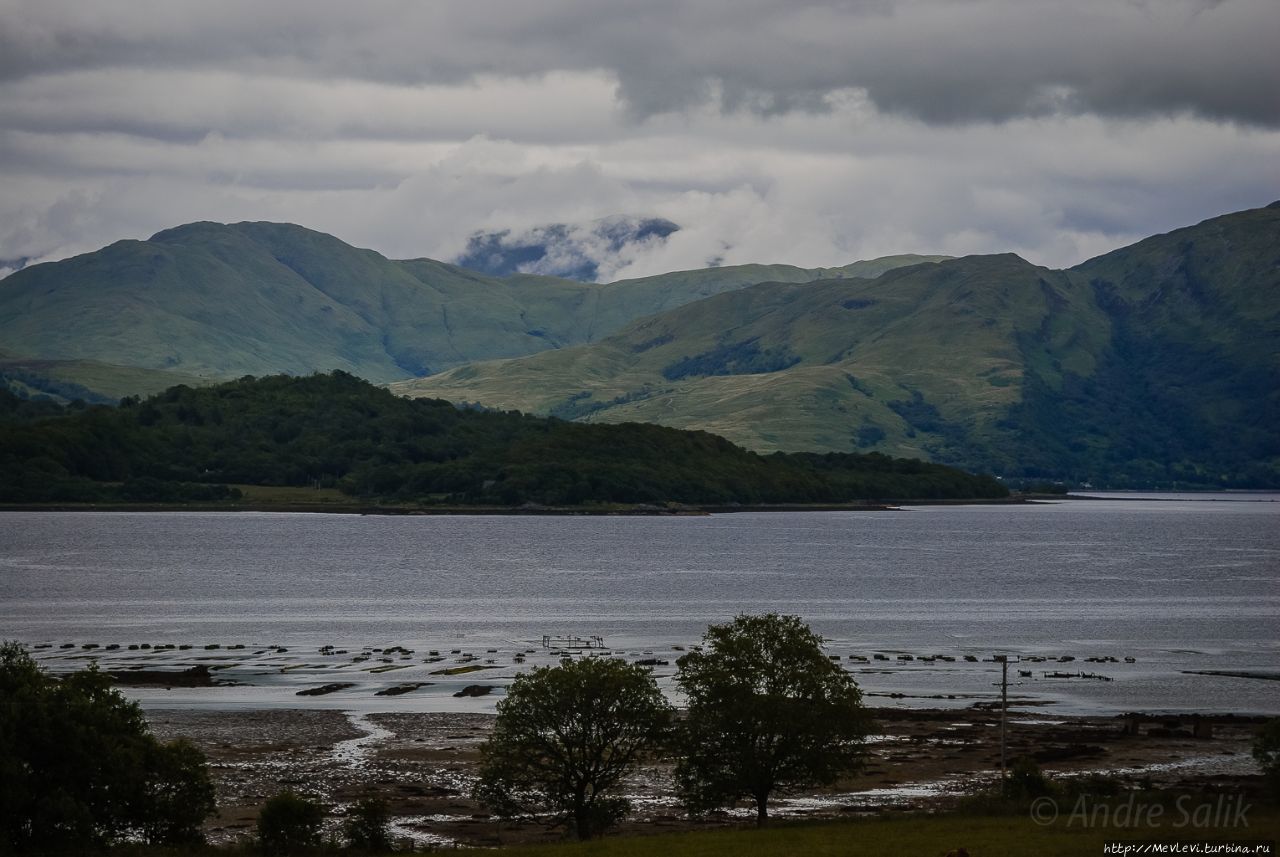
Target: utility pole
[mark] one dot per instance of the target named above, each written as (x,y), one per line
(1004,708)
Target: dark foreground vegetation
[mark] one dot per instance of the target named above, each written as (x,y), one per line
(336,431)
(79,768)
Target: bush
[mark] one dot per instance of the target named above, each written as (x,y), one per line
(366,827)
(289,824)
(1026,782)
(179,797)
(1266,750)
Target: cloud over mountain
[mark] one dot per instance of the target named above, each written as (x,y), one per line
(589,252)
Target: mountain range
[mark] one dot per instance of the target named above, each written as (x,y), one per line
(1156,364)
(216,301)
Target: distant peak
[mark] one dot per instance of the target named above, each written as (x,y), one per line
(989,259)
(200,227)
(187,229)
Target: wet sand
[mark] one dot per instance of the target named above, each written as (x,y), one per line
(423,764)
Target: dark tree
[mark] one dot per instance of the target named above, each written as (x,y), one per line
(289,824)
(79,769)
(565,738)
(768,712)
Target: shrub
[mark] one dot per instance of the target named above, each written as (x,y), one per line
(367,827)
(1266,750)
(289,824)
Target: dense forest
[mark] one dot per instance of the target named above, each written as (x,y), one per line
(337,431)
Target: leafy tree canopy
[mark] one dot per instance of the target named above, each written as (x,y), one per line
(566,737)
(768,712)
(79,769)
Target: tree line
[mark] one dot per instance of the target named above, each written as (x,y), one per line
(335,430)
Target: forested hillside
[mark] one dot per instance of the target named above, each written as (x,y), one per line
(338,431)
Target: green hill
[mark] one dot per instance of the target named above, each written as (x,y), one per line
(1156,364)
(336,430)
(213,301)
(64,381)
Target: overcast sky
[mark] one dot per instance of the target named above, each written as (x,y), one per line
(813,133)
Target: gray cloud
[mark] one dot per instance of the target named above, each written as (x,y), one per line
(809,133)
(940,60)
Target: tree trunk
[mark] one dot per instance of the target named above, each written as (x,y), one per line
(762,811)
(582,823)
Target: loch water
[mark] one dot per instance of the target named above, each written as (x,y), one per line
(1178,585)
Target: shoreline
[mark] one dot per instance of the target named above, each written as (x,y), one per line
(567,511)
(622,510)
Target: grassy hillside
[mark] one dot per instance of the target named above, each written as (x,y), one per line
(338,431)
(208,300)
(1193,365)
(912,363)
(1155,364)
(64,381)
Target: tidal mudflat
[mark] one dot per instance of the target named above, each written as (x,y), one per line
(472,677)
(423,764)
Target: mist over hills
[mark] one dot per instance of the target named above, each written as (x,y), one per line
(1156,364)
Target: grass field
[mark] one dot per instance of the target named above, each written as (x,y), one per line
(904,837)
(890,836)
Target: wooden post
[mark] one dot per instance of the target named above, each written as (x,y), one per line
(1004,708)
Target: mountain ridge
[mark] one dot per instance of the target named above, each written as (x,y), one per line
(223,300)
(1158,362)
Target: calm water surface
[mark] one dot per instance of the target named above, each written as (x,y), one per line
(1185,585)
